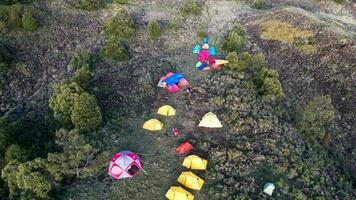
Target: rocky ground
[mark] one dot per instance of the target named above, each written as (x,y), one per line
(255,135)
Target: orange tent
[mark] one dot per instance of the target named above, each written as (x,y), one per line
(184,147)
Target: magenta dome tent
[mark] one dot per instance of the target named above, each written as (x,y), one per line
(125,164)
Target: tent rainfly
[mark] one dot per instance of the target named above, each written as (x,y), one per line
(166,110)
(190,180)
(210,121)
(178,193)
(195,162)
(184,147)
(153,125)
(124,164)
(268,188)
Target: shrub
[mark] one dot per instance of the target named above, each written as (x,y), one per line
(15,18)
(260,4)
(62,100)
(115,50)
(87,4)
(121,1)
(191,7)
(15,152)
(268,84)
(28,21)
(120,26)
(316,115)
(82,77)
(202,34)
(154,30)
(81,59)
(86,113)
(234,63)
(235,40)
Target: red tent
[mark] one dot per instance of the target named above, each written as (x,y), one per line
(184,147)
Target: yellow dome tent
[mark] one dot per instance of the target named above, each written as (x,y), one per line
(178,193)
(166,110)
(210,121)
(153,125)
(221,62)
(190,180)
(195,162)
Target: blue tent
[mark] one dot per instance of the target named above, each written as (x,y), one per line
(174,79)
(196,49)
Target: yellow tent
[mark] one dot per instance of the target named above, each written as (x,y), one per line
(221,62)
(210,121)
(195,162)
(166,110)
(190,180)
(153,125)
(178,193)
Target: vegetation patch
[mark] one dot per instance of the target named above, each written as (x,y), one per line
(154,30)
(236,39)
(191,7)
(86,4)
(286,33)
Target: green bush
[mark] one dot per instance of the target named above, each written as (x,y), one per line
(154,30)
(62,100)
(115,50)
(87,4)
(268,84)
(234,63)
(86,113)
(235,40)
(191,7)
(260,4)
(29,23)
(81,59)
(316,115)
(202,34)
(15,18)
(82,77)
(121,1)
(15,152)
(120,26)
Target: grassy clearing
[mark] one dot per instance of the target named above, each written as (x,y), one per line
(286,33)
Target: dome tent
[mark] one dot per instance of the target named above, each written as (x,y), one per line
(190,180)
(195,162)
(178,193)
(153,125)
(210,121)
(124,164)
(166,110)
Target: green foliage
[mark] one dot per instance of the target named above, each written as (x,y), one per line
(87,4)
(82,77)
(78,158)
(81,59)
(121,1)
(115,50)
(30,176)
(154,30)
(235,40)
(62,100)
(120,26)
(268,84)
(71,105)
(245,60)
(15,152)
(260,4)
(29,23)
(191,7)
(316,115)
(202,34)
(86,113)
(15,18)
(339,1)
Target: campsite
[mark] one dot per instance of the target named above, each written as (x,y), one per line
(177,99)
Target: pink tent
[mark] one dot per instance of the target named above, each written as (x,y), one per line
(124,165)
